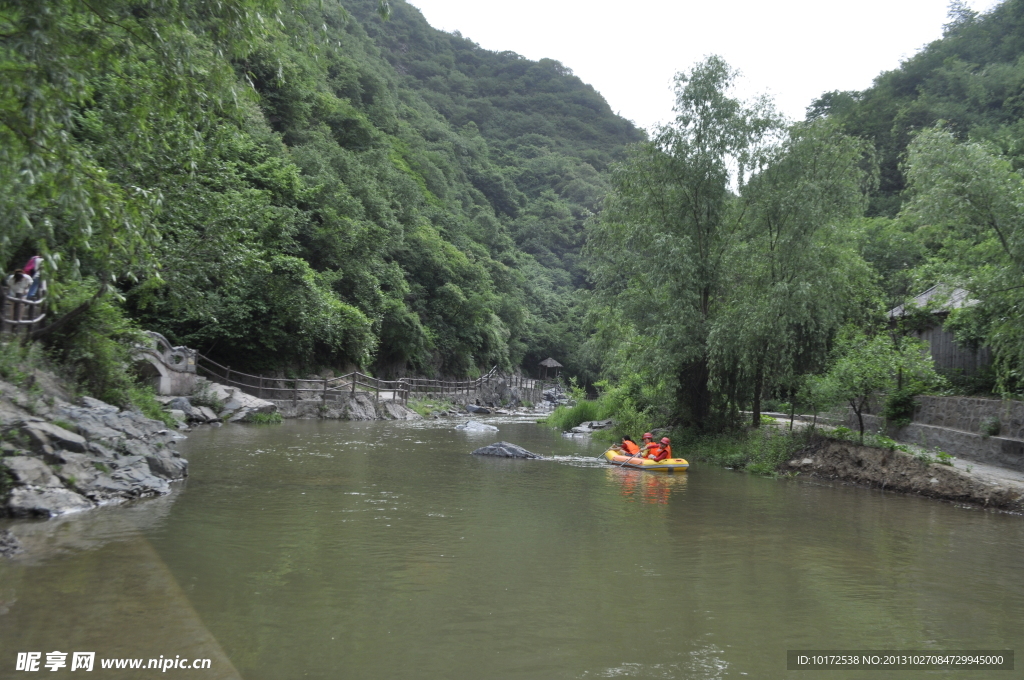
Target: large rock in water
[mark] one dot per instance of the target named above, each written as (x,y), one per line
(475,426)
(505,450)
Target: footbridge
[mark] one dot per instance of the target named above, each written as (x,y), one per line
(174,371)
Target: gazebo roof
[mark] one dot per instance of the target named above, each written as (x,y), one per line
(550,363)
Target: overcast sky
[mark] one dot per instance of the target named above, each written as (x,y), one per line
(793,50)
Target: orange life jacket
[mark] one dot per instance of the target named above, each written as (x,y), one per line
(630,447)
(663,453)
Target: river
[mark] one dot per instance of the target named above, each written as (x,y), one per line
(382,550)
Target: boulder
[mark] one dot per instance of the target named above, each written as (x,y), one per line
(475,426)
(100,407)
(505,450)
(46,502)
(31,471)
(472,408)
(168,467)
(185,406)
(208,413)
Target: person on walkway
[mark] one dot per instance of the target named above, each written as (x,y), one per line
(34,268)
(663,451)
(18,284)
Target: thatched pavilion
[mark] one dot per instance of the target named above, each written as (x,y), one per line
(550,363)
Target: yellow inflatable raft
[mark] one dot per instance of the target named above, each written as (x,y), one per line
(668,465)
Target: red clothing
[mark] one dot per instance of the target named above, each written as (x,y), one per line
(631,448)
(661,453)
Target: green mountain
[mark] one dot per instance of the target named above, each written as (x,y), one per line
(972,79)
(300,185)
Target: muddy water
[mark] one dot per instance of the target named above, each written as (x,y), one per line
(382,550)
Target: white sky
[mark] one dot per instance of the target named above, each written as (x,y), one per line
(793,50)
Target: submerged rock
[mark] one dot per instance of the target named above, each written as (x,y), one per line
(505,450)
(476,426)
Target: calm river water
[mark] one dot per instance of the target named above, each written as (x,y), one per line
(325,549)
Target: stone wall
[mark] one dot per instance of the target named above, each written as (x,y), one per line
(953,425)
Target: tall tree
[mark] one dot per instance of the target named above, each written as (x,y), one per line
(659,246)
(793,272)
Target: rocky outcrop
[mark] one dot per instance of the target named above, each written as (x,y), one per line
(360,406)
(58,457)
(505,450)
(214,403)
(592,426)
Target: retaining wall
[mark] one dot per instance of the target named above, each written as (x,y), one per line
(953,425)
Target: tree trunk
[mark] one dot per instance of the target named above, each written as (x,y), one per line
(758,386)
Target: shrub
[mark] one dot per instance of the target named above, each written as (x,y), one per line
(990,427)
(899,407)
(567,417)
(945,458)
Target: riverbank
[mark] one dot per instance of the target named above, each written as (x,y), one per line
(879,463)
(60,455)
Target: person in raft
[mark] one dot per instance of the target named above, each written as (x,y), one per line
(648,442)
(663,450)
(628,447)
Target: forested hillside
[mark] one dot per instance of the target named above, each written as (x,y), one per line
(775,283)
(300,186)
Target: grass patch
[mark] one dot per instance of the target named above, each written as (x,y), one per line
(565,418)
(425,407)
(143,397)
(760,451)
(274,418)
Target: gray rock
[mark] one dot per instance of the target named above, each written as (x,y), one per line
(230,406)
(126,461)
(168,467)
(100,407)
(104,486)
(142,481)
(31,471)
(137,447)
(185,406)
(239,415)
(475,426)
(93,430)
(208,414)
(77,470)
(101,451)
(472,408)
(45,502)
(505,450)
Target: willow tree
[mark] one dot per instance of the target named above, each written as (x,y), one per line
(793,273)
(659,247)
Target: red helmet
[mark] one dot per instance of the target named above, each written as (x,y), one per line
(647,435)
(665,441)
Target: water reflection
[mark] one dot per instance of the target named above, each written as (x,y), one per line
(647,487)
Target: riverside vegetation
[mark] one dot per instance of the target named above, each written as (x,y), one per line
(300,187)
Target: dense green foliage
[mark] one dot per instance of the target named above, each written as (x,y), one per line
(283,197)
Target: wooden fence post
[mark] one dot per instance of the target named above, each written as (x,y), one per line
(295,393)
(228,378)
(354,384)
(261,387)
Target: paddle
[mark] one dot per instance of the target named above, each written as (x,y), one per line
(631,458)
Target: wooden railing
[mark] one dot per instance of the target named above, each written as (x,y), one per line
(20,315)
(329,389)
